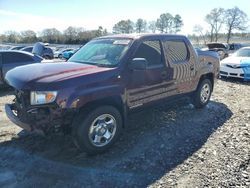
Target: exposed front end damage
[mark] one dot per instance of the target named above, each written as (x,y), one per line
(43,119)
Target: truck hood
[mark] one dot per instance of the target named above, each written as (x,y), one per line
(35,75)
(235,61)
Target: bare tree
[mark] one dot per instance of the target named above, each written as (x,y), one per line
(28,36)
(235,19)
(71,34)
(215,20)
(199,29)
(12,36)
(51,35)
(152,26)
(140,25)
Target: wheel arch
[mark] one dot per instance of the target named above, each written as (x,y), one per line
(115,101)
(209,76)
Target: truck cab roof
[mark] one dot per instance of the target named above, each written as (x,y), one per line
(141,35)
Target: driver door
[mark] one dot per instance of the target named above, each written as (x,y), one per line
(152,84)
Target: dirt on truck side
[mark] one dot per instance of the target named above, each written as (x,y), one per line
(173,145)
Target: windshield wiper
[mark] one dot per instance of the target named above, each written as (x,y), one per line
(83,62)
(92,63)
(104,65)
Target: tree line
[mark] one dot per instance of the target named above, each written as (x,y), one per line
(166,23)
(227,20)
(218,19)
(72,35)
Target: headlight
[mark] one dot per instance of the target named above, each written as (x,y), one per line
(42,97)
(222,63)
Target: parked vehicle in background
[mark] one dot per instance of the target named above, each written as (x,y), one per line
(27,49)
(237,65)
(48,53)
(234,47)
(10,59)
(59,53)
(68,54)
(221,48)
(92,94)
(16,47)
(43,50)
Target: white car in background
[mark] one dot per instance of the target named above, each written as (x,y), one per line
(237,65)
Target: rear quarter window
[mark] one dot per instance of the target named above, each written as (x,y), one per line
(176,51)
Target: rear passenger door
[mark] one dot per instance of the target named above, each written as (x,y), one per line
(11,60)
(153,83)
(182,62)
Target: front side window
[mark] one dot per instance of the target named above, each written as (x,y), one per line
(102,52)
(151,51)
(176,51)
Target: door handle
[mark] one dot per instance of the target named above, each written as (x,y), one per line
(164,74)
(192,67)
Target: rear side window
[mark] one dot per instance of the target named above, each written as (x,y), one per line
(151,51)
(16,58)
(176,51)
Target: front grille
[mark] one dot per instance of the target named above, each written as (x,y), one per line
(222,72)
(234,66)
(233,74)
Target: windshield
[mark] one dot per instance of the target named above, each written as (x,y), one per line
(243,53)
(103,52)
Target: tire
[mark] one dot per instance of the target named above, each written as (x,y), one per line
(97,131)
(46,57)
(60,56)
(202,94)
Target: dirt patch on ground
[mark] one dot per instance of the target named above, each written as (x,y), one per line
(173,145)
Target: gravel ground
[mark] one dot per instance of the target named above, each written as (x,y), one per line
(173,145)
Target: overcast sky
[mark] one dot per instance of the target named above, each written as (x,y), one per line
(37,15)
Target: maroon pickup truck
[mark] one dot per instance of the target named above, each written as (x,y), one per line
(91,95)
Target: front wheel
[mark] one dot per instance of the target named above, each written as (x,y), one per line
(97,131)
(202,94)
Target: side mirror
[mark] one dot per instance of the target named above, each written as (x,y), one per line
(138,64)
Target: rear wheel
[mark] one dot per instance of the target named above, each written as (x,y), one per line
(97,131)
(46,57)
(202,94)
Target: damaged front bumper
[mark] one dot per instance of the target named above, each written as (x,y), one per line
(13,117)
(43,119)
